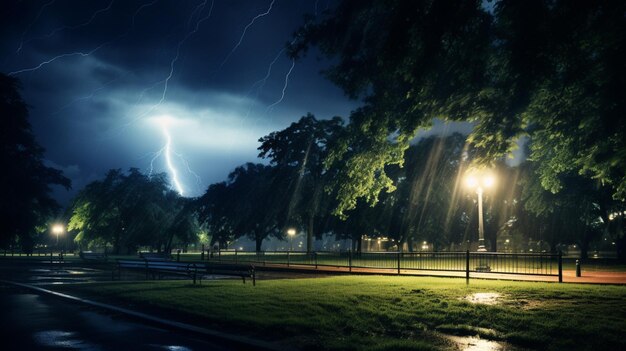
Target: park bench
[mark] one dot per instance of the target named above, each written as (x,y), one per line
(243,271)
(155,256)
(195,271)
(92,256)
(156,268)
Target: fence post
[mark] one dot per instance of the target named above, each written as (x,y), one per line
(315,256)
(467,265)
(578,268)
(178,255)
(202,253)
(399,253)
(287,258)
(560,267)
(235,256)
(350,260)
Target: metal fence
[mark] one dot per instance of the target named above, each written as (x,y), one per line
(477,262)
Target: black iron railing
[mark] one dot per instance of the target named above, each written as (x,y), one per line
(475,262)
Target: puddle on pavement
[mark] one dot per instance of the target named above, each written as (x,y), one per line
(484,298)
(76,272)
(172,347)
(63,339)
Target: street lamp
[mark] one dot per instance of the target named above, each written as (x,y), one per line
(291,232)
(57,230)
(479,182)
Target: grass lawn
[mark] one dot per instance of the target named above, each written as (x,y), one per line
(387,313)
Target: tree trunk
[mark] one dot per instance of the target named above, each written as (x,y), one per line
(493,241)
(620,246)
(553,247)
(584,247)
(258,243)
(309,234)
(116,244)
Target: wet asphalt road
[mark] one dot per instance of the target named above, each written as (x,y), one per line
(33,321)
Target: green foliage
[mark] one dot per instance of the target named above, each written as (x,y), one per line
(131,210)
(252,204)
(553,71)
(25,201)
(298,153)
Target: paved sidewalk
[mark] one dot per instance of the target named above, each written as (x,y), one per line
(229,341)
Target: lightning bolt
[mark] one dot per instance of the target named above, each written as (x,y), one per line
(31,24)
(166,80)
(139,10)
(91,95)
(62,28)
(167,149)
(190,171)
(259,84)
(78,53)
(155,156)
(243,34)
(282,96)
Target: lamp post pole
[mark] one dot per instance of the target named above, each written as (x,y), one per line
(481,227)
(57,230)
(291,232)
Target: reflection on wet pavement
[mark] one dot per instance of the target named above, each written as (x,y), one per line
(60,275)
(58,338)
(38,322)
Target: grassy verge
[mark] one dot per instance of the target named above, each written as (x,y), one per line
(387,313)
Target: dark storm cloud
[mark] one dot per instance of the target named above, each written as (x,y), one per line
(94,74)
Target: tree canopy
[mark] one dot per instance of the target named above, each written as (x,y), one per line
(131,210)
(298,153)
(25,200)
(550,70)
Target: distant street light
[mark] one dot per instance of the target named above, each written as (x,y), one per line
(291,232)
(480,181)
(57,230)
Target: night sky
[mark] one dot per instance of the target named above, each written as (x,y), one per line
(106,80)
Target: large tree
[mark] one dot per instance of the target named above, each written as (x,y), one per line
(253,203)
(131,210)
(428,202)
(298,153)
(25,201)
(552,70)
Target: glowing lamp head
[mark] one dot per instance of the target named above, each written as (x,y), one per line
(488,181)
(471,181)
(58,229)
(480,180)
(291,232)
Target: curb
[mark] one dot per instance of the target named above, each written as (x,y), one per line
(240,342)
